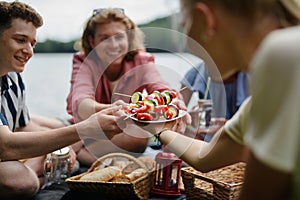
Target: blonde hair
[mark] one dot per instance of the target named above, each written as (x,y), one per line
(135,35)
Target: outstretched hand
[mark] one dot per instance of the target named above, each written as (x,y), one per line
(109,121)
(181,123)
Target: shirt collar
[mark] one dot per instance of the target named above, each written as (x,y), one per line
(5,83)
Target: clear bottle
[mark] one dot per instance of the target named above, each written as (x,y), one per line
(205,113)
(56,166)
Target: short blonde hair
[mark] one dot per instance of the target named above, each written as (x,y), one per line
(135,35)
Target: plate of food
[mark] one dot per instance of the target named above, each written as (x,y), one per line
(154,108)
(161,119)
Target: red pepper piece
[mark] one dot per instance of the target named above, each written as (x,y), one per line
(144,116)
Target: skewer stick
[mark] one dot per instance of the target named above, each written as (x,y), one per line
(125,95)
(128,116)
(183,88)
(207,88)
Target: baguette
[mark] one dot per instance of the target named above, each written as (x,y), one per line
(121,179)
(131,166)
(136,174)
(105,174)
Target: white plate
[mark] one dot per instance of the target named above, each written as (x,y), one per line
(181,114)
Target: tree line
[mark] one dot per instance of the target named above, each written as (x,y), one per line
(156,41)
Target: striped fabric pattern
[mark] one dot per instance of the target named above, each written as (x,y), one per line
(14,112)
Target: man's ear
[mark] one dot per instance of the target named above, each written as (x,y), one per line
(209,18)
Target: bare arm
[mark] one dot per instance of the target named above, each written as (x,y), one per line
(19,145)
(32,126)
(203,156)
(87,107)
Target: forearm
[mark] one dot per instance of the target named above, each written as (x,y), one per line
(184,147)
(31,126)
(20,145)
(203,156)
(87,107)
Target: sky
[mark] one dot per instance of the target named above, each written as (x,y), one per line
(64,19)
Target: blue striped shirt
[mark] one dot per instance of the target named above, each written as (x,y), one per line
(14,112)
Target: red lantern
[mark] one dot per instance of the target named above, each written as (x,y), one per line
(167,174)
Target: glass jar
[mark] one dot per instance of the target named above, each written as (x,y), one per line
(205,113)
(56,166)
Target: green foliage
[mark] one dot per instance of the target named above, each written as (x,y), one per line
(164,22)
(50,46)
(158,37)
(153,38)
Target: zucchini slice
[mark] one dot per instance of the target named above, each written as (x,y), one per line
(137,96)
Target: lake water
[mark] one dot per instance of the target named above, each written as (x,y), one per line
(47,78)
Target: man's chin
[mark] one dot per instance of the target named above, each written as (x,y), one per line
(19,68)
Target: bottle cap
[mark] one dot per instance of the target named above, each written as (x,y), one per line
(61,152)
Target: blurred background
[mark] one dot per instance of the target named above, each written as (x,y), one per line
(47,75)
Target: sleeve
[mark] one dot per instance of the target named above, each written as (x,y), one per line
(23,118)
(236,126)
(242,87)
(82,83)
(189,78)
(195,78)
(2,120)
(274,128)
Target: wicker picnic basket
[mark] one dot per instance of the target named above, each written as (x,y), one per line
(136,189)
(220,184)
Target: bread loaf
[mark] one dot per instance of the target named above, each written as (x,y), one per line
(136,174)
(149,163)
(104,174)
(130,168)
(121,178)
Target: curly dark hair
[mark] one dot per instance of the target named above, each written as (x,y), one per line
(13,10)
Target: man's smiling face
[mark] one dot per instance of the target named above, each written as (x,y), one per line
(16,47)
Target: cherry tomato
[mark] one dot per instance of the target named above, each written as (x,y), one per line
(144,116)
(168,114)
(160,109)
(142,109)
(140,103)
(159,100)
(174,94)
(174,109)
